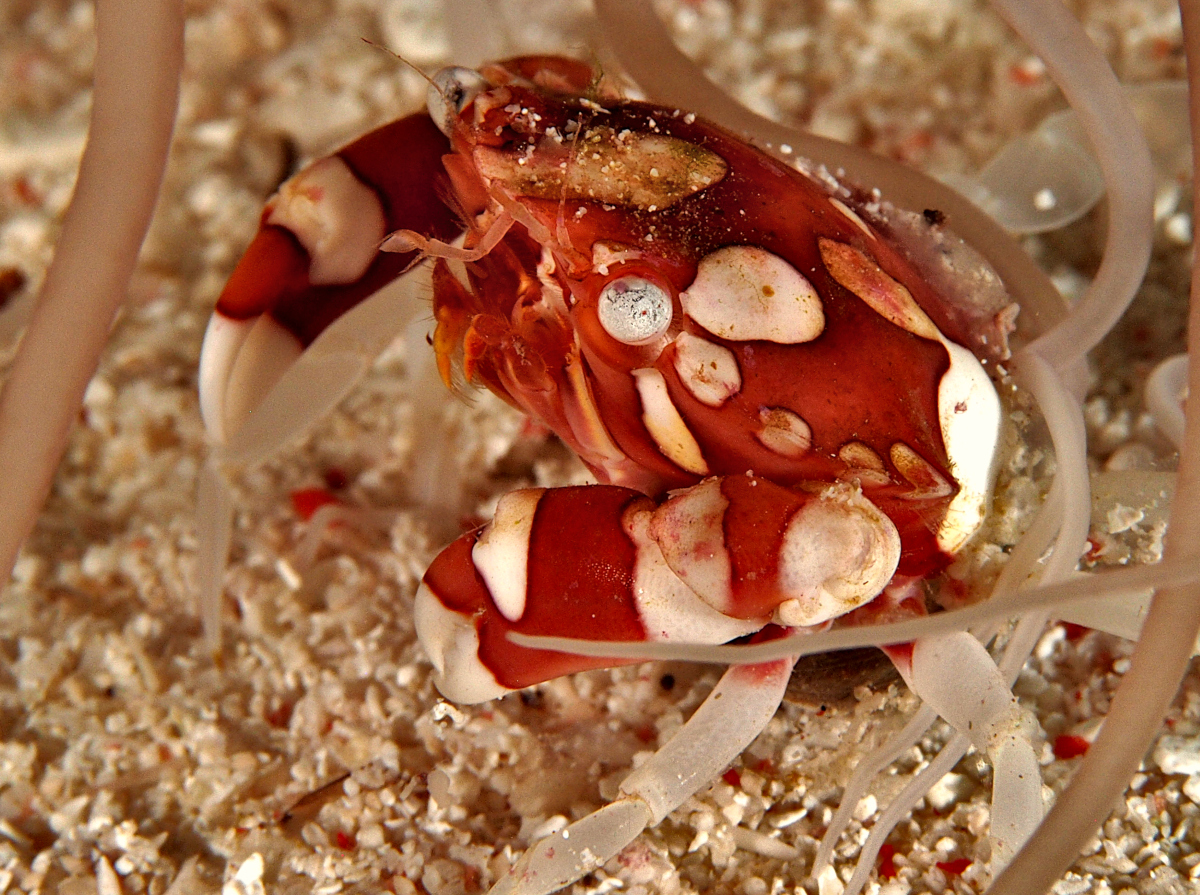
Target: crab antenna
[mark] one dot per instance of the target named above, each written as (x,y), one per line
(412,65)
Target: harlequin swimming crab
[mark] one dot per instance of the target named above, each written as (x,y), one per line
(789,424)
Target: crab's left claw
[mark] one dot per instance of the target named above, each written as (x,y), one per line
(315,258)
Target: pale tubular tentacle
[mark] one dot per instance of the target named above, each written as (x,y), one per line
(138,61)
(1090,86)
(214,531)
(913,792)
(868,768)
(734,713)
(330,517)
(1167,636)
(1174,572)
(1165,389)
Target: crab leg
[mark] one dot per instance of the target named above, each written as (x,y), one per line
(314,258)
(956,676)
(734,713)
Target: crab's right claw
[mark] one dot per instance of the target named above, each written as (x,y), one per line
(316,257)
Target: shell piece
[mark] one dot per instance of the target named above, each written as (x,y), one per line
(707,370)
(335,216)
(744,292)
(665,425)
(502,552)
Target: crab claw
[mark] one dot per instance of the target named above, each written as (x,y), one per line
(714,562)
(315,258)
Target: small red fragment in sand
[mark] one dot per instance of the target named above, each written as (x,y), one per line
(1075,632)
(345,841)
(280,716)
(1067,746)
(307,501)
(887,863)
(955,867)
(733,778)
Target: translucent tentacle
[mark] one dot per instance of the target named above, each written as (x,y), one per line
(138,60)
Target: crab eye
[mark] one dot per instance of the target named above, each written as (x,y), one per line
(634,311)
(451,91)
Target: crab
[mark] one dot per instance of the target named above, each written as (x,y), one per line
(787,425)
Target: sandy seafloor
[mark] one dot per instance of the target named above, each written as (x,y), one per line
(130,762)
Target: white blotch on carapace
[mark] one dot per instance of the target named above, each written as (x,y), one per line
(744,292)
(689,529)
(918,472)
(669,608)
(664,424)
(707,370)
(866,463)
(838,553)
(784,432)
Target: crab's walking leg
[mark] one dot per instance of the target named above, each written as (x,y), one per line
(315,257)
(738,708)
(955,675)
